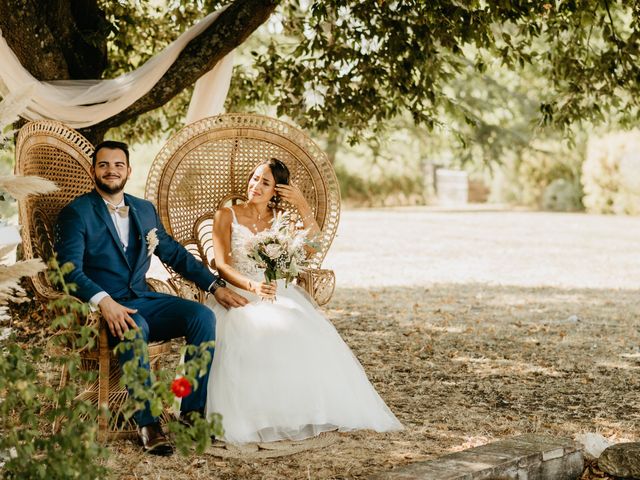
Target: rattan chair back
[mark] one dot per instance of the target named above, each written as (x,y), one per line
(53,151)
(207,164)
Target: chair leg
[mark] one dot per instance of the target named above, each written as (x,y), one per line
(104,360)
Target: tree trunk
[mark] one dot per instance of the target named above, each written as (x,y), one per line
(334,140)
(56,39)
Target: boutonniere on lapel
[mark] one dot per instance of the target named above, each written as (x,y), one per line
(152,241)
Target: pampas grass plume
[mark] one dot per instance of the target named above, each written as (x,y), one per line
(20,187)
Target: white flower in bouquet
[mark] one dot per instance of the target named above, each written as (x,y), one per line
(274,251)
(279,249)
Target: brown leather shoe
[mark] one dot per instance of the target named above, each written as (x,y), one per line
(154,441)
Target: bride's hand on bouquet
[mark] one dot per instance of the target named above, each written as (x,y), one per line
(263,289)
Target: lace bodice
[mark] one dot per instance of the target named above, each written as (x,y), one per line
(241,262)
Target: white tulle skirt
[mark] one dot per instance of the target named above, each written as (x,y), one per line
(282,372)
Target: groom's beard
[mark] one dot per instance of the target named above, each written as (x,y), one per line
(111,190)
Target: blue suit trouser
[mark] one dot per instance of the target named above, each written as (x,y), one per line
(164,318)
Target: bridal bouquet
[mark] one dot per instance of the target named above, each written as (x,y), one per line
(279,249)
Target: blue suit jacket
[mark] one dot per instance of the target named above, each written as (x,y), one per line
(86,236)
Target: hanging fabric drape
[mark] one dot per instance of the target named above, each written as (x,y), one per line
(210,91)
(82,103)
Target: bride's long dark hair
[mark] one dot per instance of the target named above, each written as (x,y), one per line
(280,174)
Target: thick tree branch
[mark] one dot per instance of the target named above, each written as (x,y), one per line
(228,31)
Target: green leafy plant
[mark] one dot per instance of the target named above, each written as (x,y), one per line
(31,403)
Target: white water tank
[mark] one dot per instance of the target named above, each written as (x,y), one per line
(452,187)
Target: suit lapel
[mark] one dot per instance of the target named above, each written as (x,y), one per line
(103,214)
(135,218)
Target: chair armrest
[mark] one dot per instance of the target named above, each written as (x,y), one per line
(160,286)
(318,283)
(185,289)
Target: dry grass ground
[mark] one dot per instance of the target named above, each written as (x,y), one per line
(473,326)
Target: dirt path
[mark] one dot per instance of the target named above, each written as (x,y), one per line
(493,324)
(421,246)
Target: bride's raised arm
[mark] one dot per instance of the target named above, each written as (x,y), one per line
(222,254)
(293,195)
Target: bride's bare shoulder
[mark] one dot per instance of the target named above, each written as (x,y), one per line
(223,216)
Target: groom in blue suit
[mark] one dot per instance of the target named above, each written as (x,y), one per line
(109,237)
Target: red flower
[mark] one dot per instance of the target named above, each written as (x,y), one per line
(181,387)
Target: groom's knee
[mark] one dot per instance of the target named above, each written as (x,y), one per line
(202,322)
(207,321)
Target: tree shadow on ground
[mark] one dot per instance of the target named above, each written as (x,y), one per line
(496,360)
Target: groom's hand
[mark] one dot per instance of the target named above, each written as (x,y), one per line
(229,299)
(117,317)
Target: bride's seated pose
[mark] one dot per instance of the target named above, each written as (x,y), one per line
(280,369)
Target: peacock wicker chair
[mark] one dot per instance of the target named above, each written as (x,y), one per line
(206,166)
(55,152)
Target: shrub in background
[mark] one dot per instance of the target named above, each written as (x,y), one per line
(562,195)
(547,177)
(610,174)
(373,191)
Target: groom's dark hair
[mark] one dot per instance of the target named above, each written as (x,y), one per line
(113,145)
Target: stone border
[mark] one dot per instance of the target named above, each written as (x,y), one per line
(525,457)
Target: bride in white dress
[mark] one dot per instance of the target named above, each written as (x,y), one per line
(280,369)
